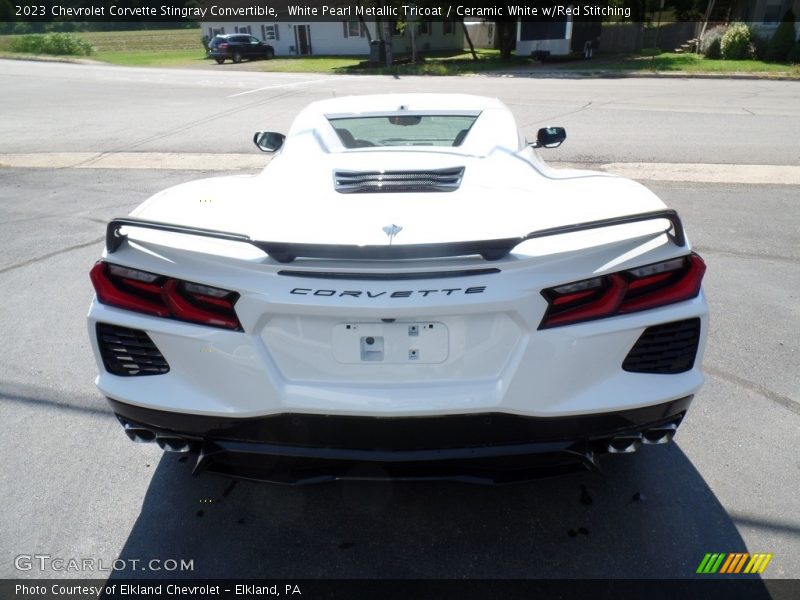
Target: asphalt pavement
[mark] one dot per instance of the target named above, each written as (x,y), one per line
(74,486)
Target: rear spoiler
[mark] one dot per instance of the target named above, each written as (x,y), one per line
(286,252)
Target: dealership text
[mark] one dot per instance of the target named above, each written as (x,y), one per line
(45,562)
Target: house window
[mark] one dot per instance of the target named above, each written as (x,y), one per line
(216,31)
(448,27)
(352,29)
(270,33)
(242,29)
(775,9)
(424,28)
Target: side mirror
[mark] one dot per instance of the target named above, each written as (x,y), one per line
(268,141)
(550,137)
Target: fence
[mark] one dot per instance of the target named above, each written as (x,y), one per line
(630,37)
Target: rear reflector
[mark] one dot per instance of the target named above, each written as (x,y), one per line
(625,292)
(166,297)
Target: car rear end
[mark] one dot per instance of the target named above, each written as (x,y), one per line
(221,48)
(450,367)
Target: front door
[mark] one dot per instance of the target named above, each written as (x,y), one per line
(302,38)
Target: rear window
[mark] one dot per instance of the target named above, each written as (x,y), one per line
(402,130)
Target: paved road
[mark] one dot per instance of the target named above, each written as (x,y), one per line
(74,486)
(67,108)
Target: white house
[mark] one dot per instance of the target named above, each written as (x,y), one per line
(297,38)
(763,15)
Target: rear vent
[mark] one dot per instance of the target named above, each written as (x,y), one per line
(360,182)
(129,351)
(665,349)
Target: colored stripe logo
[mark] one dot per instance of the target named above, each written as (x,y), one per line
(733,563)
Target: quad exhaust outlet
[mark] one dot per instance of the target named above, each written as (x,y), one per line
(167,442)
(660,434)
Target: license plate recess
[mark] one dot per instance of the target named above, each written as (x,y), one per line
(424,342)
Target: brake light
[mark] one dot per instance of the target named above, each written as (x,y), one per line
(223,46)
(625,292)
(166,297)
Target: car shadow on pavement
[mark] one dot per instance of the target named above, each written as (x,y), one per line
(647,515)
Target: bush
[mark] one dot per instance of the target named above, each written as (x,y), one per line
(710,43)
(714,50)
(783,39)
(794,54)
(760,45)
(52,43)
(736,42)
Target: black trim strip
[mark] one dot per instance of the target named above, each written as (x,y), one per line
(286,252)
(114,238)
(496,249)
(388,276)
(402,433)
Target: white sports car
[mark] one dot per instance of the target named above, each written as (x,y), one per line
(406,291)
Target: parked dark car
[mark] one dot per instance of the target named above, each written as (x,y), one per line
(237,46)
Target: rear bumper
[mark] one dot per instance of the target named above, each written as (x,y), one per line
(478,448)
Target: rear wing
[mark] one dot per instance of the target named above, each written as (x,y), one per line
(286,252)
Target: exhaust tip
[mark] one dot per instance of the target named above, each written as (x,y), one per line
(139,434)
(625,444)
(662,434)
(173,444)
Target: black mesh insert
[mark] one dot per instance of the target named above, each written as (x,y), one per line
(129,352)
(433,180)
(666,349)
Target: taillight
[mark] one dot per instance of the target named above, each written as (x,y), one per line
(223,46)
(161,296)
(625,292)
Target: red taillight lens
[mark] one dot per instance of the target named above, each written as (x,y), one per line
(223,46)
(199,308)
(161,296)
(680,282)
(138,291)
(625,292)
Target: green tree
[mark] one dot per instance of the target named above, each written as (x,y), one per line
(783,39)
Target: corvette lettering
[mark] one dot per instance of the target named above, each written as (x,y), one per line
(397,294)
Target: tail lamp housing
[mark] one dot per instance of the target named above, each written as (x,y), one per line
(167,297)
(624,292)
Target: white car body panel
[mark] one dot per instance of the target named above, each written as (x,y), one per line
(295,354)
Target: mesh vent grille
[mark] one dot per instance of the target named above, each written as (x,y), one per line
(359,182)
(129,352)
(665,349)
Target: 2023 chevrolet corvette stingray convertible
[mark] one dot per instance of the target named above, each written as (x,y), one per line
(406,291)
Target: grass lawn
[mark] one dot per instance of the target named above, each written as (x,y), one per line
(444,63)
(688,63)
(150,40)
(173,58)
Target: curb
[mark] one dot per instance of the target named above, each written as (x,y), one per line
(608,74)
(50,58)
